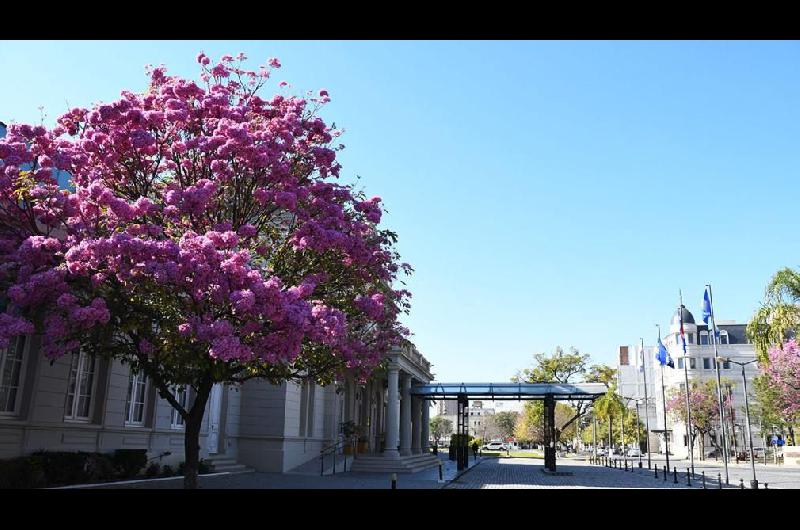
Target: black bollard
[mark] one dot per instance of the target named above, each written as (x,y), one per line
(766,486)
(626,465)
(394,481)
(441,478)
(675,474)
(665,473)
(655,468)
(688,478)
(719,480)
(741,483)
(704,480)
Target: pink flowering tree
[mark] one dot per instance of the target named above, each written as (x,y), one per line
(704,406)
(204,239)
(782,375)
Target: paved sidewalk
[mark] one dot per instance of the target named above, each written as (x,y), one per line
(524,473)
(426,479)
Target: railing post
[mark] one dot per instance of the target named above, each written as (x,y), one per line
(675,473)
(719,480)
(688,478)
(655,468)
(741,483)
(665,473)
(704,480)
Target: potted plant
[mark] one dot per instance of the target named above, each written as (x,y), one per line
(349,431)
(363,443)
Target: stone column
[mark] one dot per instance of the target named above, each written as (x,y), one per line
(405,417)
(426,418)
(392,415)
(416,428)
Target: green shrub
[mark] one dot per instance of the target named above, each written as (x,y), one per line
(167,471)
(130,461)
(21,472)
(62,468)
(203,468)
(99,467)
(152,470)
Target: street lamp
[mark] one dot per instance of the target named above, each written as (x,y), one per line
(689,440)
(638,436)
(754,482)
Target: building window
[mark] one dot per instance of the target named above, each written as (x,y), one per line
(706,363)
(726,365)
(137,391)
(692,363)
(11,368)
(704,338)
(723,337)
(691,338)
(682,387)
(81,386)
(680,363)
(307,409)
(181,394)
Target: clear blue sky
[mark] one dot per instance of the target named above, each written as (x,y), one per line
(547,193)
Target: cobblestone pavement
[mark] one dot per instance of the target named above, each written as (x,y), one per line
(525,473)
(426,479)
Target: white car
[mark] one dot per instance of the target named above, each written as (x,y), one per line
(634,452)
(495,446)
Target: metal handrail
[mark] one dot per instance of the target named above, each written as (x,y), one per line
(332,450)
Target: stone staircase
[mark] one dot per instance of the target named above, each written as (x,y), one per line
(403,464)
(312,467)
(228,465)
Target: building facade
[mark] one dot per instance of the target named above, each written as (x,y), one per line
(77,403)
(700,365)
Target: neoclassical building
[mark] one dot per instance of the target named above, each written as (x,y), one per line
(700,366)
(78,403)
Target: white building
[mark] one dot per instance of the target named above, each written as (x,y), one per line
(78,403)
(700,365)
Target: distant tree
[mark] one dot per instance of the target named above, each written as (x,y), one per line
(705,409)
(779,314)
(600,373)
(506,421)
(560,367)
(440,427)
(783,380)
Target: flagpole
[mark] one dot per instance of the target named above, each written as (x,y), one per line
(646,410)
(719,386)
(686,378)
(664,402)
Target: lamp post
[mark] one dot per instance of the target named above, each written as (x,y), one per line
(646,403)
(689,440)
(638,435)
(754,482)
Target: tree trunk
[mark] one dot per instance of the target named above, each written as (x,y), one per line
(191,440)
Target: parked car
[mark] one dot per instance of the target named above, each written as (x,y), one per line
(602,452)
(495,446)
(635,451)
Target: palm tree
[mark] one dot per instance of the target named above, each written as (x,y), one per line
(779,314)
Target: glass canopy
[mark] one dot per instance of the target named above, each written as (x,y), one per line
(518,391)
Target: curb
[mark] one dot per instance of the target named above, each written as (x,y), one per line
(459,475)
(139,481)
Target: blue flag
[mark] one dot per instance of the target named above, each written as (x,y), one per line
(706,307)
(663,355)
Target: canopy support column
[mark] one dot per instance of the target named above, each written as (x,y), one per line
(550,432)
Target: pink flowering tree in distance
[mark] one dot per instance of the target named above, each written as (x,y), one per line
(204,239)
(783,376)
(705,409)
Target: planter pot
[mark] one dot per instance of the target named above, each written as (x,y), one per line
(348,449)
(363,447)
